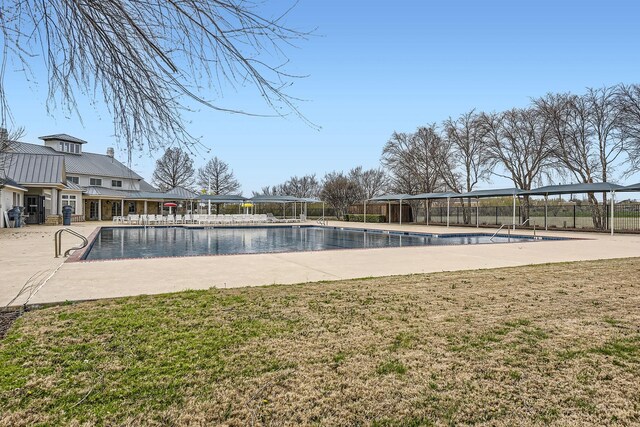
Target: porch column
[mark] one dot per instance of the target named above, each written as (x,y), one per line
(389,212)
(122,208)
(99,209)
(400,209)
(145,207)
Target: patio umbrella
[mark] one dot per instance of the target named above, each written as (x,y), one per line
(170,205)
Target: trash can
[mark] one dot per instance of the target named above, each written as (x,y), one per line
(66,215)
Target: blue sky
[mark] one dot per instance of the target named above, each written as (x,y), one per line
(375,67)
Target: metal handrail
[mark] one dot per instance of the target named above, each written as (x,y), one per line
(322,221)
(58,242)
(514,225)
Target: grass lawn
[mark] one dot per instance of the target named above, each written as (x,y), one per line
(552,344)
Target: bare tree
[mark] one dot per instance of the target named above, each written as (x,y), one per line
(305,187)
(520,141)
(411,160)
(629,106)
(466,158)
(148,59)
(340,192)
(372,182)
(8,141)
(216,178)
(575,146)
(173,169)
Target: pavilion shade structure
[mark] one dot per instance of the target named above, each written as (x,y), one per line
(633,187)
(433,196)
(228,198)
(595,187)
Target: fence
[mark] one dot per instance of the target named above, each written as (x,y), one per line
(626,216)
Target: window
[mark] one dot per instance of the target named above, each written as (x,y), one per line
(70,147)
(132,207)
(73,179)
(116,183)
(69,199)
(95,181)
(16,199)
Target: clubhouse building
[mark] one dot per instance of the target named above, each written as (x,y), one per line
(42,178)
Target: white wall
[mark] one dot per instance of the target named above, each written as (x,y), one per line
(7,197)
(127,184)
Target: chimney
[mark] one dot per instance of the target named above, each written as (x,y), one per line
(110,152)
(4,135)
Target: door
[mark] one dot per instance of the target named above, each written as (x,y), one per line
(93,210)
(35,209)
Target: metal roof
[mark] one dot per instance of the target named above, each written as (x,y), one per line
(390,197)
(11,183)
(223,198)
(632,187)
(63,137)
(72,186)
(145,186)
(182,193)
(594,187)
(430,196)
(83,164)
(493,193)
(265,198)
(35,168)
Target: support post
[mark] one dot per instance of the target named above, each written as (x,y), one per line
(400,212)
(613,195)
(99,209)
(477,212)
(389,212)
(546,225)
(514,212)
(145,207)
(364,216)
(448,209)
(322,213)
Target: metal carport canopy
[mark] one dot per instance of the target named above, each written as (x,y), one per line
(588,187)
(632,187)
(594,187)
(227,198)
(493,193)
(431,196)
(390,198)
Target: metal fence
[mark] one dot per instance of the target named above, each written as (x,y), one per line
(626,216)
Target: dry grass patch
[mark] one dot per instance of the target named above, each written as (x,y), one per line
(551,344)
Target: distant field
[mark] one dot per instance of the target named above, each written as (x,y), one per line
(552,344)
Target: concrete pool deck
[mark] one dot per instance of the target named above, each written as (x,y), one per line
(29,251)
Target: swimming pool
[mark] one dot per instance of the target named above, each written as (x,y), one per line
(153,242)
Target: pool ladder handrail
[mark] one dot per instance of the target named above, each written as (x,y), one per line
(323,221)
(57,242)
(514,225)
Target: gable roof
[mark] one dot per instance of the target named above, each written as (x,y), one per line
(35,168)
(63,137)
(183,193)
(6,182)
(83,164)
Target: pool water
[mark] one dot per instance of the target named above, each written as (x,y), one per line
(152,242)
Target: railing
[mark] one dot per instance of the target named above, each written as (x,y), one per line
(323,221)
(514,226)
(57,242)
